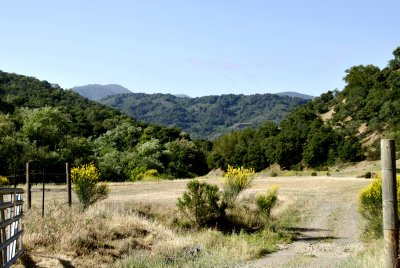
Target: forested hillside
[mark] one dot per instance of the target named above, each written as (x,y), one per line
(48,126)
(337,127)
(296,95)
(205,117)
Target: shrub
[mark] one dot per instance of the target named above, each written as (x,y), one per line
(86,186)
(137,173)
(3,181)
(236,180)
(314,173)
(266,201)
(370,205)
(151,174)
(274,174)
(140,173)
(200,203)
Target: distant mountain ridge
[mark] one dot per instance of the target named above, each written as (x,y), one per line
(205,117)
(98,92)
(296,95)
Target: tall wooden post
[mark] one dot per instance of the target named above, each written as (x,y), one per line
(389,201)
(43,194)
(68,177)
(28,187)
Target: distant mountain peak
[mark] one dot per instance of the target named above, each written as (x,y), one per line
(98,92)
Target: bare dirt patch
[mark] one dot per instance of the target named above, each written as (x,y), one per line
(328,115)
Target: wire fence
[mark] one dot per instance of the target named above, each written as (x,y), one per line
(38,177)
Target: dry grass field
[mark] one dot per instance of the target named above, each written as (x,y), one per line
(134,227)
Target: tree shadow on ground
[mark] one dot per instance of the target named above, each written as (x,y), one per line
(65,263)
(301,236)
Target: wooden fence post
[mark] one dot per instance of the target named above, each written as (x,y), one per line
(43,194)
(68,177)
(389,202)
(28,187)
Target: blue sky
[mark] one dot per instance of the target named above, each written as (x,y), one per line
(198,47)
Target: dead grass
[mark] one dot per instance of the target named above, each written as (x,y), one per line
(97,237)
(135,227)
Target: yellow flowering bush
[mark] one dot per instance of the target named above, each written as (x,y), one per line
(236,180)
(85,180)
(370,204)
(3,181)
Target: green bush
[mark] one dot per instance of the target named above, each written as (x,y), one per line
(200,203)
(266,201)
(85,183)
(274,174)
(137,173)
(140,173)
(3,181)
(314,173)
(368,175)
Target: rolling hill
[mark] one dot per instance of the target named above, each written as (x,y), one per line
(205,117)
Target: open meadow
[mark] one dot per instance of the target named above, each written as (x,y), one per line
(317,225)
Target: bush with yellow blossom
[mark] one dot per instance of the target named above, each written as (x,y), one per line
(85,180)
(236,180)
(370,205)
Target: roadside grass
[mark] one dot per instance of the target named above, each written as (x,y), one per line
(371,257)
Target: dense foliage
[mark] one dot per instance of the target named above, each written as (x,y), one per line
(205,117)
(335,127)
(48,126)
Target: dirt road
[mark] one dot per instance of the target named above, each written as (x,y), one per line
(331,231)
